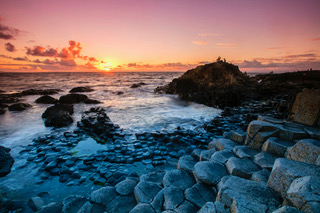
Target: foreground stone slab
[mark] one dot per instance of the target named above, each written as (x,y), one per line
(145,191)
(121,204)
(304,193)
(142,208)
(265,160)
(186,207)
(285,171)
(51,208)
(306,150)
(261,176)
(287,209)
(178,178)
(216,207)
(276,146)
(91,208)
(244,152)
(223,144)
(247,196)
(206,154)
(222,156)
(241,167)
(126,187)
(199,194)
(73,203)
(186,163)
(238,137)
(153,177)
(209,172)
(173,197)
(291,132)
(104,195)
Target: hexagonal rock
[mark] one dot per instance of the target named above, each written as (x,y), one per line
(209,172)
(291,132)
(157,203)
(206,154)
(304,192)
(247,196)
(270,119)
(178,178)
(51,208)
(287,209)
(153,177)
(145,191)
(244,152)
(238,137)
(285,171)
(186,207)
(73,203)
(261,176)
(223,144)
(276,146)
(173,197)
(306,150)
(121,204)
(126,186)
(35,203)
(216,207)
(186,163)
(104,195)
(91,208)
(222,156)
(142,208)
(264,160)
(199,194)
(313,133)
(241,167)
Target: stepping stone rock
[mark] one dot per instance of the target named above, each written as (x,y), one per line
(223,144)
(304,194)
(209,172)
(91,208)
(157,203)
(35,203)
(199,194)
(72,98)
(264,160)
(222,156)
(126,186)
(287,209)
(178,178)
(46,99)
(173,197)
(261,176)
(276,146)
(81,89)
(186,163)
(241,167)
(306,150)
(270,119)
(51,208)
(244,152)
(145,191)
(121,204)
(196,154)
(216,207)
(104,195)
(153,177)
(291,132)
(19,107)
(6,161)
(73,204)
(285,171)
(142,208)
(238,137)
(186,207)
(206,154)
(243,195)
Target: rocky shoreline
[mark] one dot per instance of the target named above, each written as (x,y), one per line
(249,159)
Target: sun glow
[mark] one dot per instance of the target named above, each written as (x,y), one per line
(106,66)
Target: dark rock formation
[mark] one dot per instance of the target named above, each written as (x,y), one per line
(6,161)
(92,101)
(19,107)
(58,115)
(81,89)
(39,92)
(137,85)
(46,99)
(72,98)
(217,84)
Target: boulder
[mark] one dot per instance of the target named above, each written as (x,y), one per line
(6,161)
(51,208)
(223,144)
(46,99)
(238,136)
(206,154)
(72,98)
(291,132)
(81,89)
(186,163)
(243,195)
(306,150)
(285,171)
(261,176)
(39,92)
(173,197)
(103,196)
(35,203)
(121,204)
(58,115)
(178,178)
(241,167)
(306,109)
(73,204)
(209,172)
(222,156)
(19,107)
(196,153)
(186,207)
(92,101)
(276,146)
(153,177)
(244,152)
(216,207)
(126,186)
(287,209)
(265,160)
(142,208)
(303,193)
(145,191)
(91,208)
(199,194)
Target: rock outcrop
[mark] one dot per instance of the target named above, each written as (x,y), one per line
(72,98)
(46,99)
(81,89)
(19,107)
(6,161)
(58,115)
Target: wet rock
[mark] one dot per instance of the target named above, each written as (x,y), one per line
(199,194)
(91,208)
(241,167)
(285,171)
(210,207)
(238,137)
(51,208)
(19,107)
(264,160)
(287,209)
(121,204)
(247,196)
(46,99)
(186,163)
(92,101)
(157,203)
(137,85)
(103,196)
(206,154)
(81,89)
(6,161)
(142,208)
(63,178)
(178,178)
(73,204)
(261,176)
(145,191)
(126,187)
(276,146)
(72,98)
(186,207)
(223,144)
(2,111)
(173,197)
(303,193)
(306,150)
(209,172)
(58,115)
(222,156)
(291,132)
(244,152)
(35,203)
(39,92)
(196,154)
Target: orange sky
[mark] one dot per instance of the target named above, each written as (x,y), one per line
(153,35)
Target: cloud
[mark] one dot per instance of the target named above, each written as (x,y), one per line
(227,44)
(10,47)
(301,55)
(132,64)
(209,34)
(42,51)
(316,39)
(21,59)
(204,62)
(8,33)
(47,61)
(68,63)
(200,42)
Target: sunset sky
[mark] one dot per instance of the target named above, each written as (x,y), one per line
(158,35)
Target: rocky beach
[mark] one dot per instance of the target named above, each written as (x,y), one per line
(259,153)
